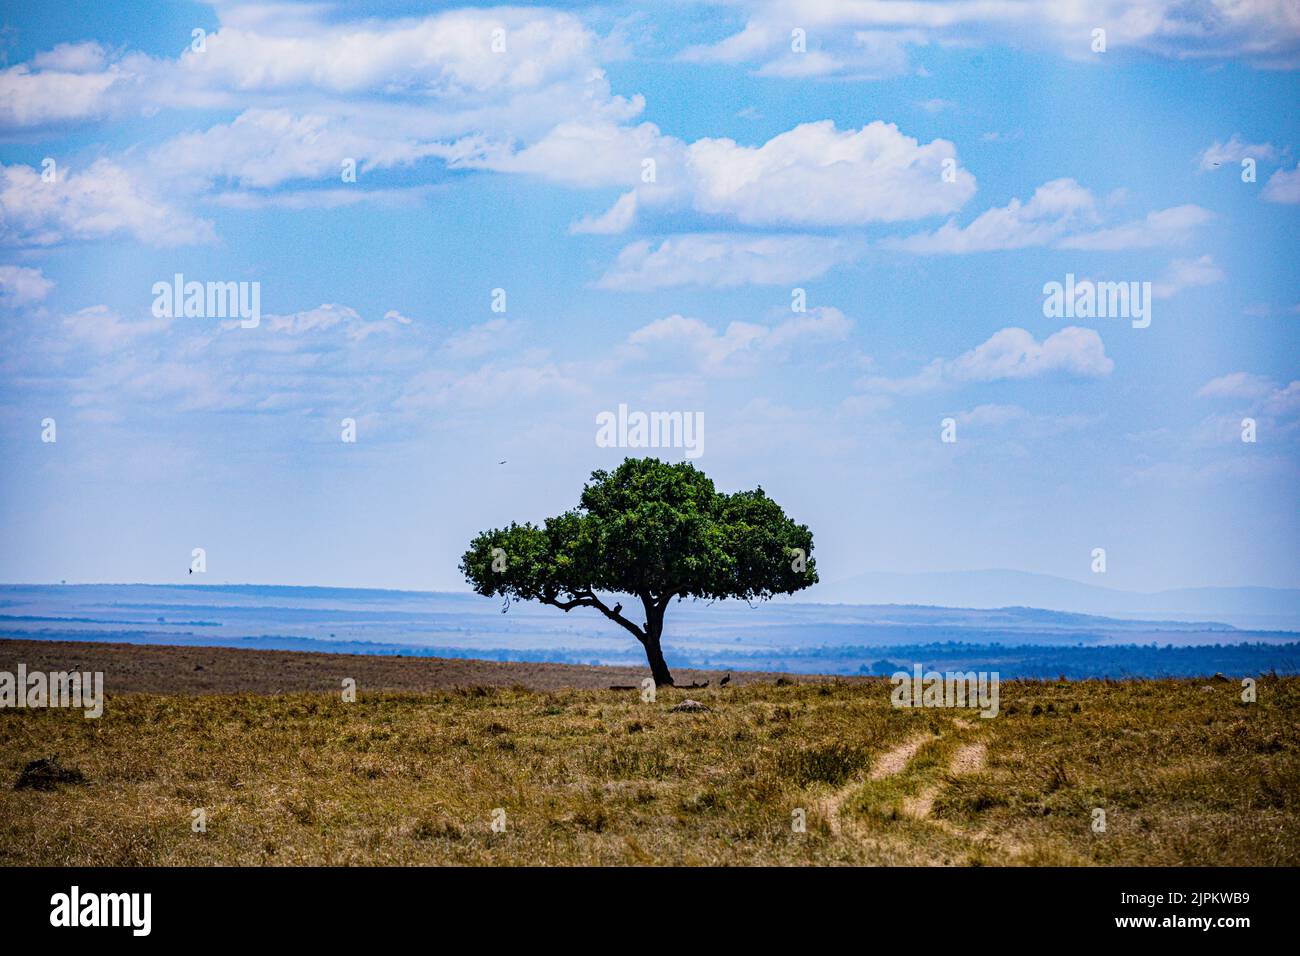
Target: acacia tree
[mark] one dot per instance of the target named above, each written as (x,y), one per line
(648,530)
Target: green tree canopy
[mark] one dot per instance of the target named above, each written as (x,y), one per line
(654,531)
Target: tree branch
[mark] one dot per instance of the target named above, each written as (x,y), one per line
(565,606)
(614,616)
(588,598)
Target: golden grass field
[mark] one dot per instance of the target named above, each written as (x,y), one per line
(1185,772)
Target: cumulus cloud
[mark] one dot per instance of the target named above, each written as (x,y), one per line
(106,330)
(811,175)
(1054,208)
(325,317)
(724,260)
(769,44)
(581,153)
(263,148)
(1283,186)
(679,337)
(445,61)
(818,175)
(20,285)
(872,40)
(1060,213)
(1187,274)
(1264,394)
(446,54)
(314,90)
(1161,228)
(1275,407)
(54,94)
(1009,354)
(100,201)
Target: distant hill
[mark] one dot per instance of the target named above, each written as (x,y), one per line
(1248,607)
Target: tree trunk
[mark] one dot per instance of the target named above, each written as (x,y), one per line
(658,667)
(654,627)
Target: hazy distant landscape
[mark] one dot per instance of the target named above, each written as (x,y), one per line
(1245,607)
(785,636)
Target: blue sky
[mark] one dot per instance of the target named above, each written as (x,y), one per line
(522,169)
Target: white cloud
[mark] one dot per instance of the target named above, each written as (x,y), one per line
(100,201)
(314,91)
(1283,186)
(1233,152)
(263,148)
(1011,353)
(1275,408)
(1162,228)
(1264,395)
(726,261)
(1266,32)
(677,335)
(1187,274)
(487,337)
(820,324)
(815,174)
(52,96)
(1236,385)
(106,330)
(580,153)
(767,41)
(86,57)
(324,318)
(445,62)
(811,175)
(1054,208)
(615,220)
(328,357)
(1284,400)
(708,349)
(20,285)
(444,55)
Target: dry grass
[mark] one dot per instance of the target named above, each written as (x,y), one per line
(163,669)
(1186,776)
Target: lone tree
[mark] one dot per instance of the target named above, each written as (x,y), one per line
(653,531)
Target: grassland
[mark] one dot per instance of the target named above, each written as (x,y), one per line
(1186,773)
